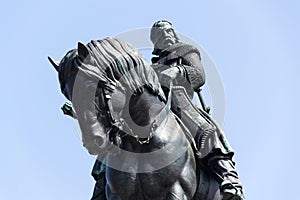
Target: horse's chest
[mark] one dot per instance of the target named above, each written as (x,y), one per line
(151,185)
(151,168)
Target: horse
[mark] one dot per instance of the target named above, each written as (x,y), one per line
(126,120)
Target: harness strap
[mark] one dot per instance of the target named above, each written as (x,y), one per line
(188,134)
(107,98)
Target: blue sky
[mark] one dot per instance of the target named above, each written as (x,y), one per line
(254,45)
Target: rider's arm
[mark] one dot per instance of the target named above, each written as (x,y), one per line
(192,69)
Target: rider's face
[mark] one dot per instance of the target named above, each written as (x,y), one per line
(166,38)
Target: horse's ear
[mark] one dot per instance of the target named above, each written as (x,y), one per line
(83,51)
(54,63)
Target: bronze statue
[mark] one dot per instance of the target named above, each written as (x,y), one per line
(121,107)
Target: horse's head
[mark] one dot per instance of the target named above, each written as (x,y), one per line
(73,84)
(99,67)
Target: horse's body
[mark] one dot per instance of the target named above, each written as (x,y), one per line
(117,98)
(145,176)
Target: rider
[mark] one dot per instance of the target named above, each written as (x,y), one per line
(181,63)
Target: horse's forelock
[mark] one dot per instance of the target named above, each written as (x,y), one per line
(67,67)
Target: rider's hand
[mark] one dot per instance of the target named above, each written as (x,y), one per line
(168,75)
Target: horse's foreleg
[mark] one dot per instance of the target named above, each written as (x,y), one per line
(185,187)
(176,192)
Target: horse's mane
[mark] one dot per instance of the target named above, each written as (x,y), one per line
(113,62)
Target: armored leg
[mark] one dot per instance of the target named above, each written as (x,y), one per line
(218,159)
(213,149)
(225,172)
(216,154)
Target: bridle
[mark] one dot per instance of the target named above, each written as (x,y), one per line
(121,124)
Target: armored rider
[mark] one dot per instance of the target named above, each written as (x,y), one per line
(181,63)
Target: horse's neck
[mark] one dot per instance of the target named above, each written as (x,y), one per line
(144,108)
